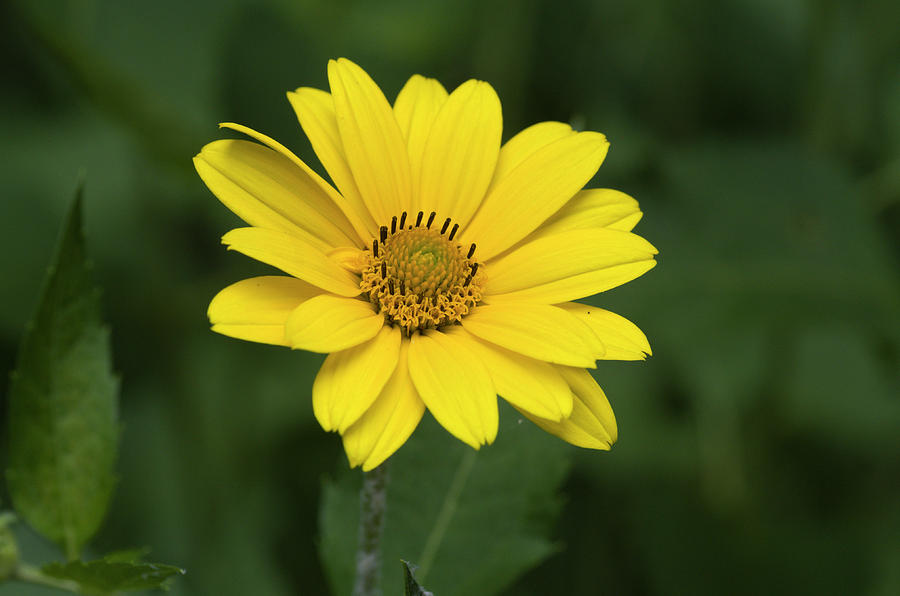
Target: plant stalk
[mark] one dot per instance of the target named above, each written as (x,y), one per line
(372,502)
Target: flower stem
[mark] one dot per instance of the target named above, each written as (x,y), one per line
(372,502)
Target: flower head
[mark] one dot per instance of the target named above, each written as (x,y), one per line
(442,269)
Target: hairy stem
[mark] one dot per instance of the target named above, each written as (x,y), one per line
(372,502)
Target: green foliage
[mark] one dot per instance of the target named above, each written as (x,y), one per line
(758,445)
(411,586)
(113,573)
(62,404)
(472,521)
(9,550)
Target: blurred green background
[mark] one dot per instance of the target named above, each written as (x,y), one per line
(759,447)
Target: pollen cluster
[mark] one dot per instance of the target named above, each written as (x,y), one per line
(419,277)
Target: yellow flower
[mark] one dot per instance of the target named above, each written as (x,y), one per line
(442,270)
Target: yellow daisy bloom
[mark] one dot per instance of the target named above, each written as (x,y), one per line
(442,269)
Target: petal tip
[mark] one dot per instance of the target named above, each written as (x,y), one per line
(323,416)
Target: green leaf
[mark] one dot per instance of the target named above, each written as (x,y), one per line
(472,521)
(9,550)
(412,587)
(62,404)
(112,574)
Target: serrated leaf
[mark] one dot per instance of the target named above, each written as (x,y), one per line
(110,574)
(62,404)
(472,521)
(131,555)
(411,586)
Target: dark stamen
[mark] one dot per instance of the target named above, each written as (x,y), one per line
(383,270)
(474,268)
(402,219)
(419,219)
(468,279)
(391,285)
(394,225)
(383,233)
(402,288)
(445,226)
(453,231)
(375,247)
(471,251)
(430,220)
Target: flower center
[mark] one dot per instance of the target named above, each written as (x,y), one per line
(419,277)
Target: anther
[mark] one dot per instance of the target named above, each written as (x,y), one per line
(445,226)
(471,251)
(391,285)
(383,233)
(402,219)
(374,247)
(402,288)
(453,231)
(468,280)
(419,219)
(394,225)
(430,220)
(383,270)
(474,268)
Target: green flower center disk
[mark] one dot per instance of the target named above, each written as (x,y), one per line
(419,276)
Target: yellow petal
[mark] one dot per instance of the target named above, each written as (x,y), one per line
(350,380)
(329,323)
(294,255)
(256,309)
(622,338)
(538,331)
(268,190)
(388,422)
(461,152)
(373,145)
(526,383)
(534,190)
(350,217)
(594,208)
(415,109)
(455,386)
(592,423)
(527,142)
(315,112)
(351,259)
(567,266)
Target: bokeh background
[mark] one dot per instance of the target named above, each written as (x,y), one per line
(759,447)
